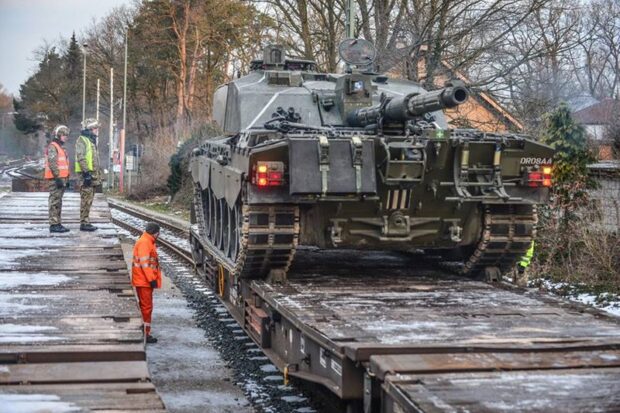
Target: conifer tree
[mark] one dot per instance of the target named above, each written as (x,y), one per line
(570,172)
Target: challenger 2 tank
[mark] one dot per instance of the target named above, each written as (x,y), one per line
(359,161)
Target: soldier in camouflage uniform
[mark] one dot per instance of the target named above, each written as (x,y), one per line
(57,173)
(87,168)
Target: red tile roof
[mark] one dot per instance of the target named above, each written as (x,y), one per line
(600,113)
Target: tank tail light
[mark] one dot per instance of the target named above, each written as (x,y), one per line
(540,178)
(268,174)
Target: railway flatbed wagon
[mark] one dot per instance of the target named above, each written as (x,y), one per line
(388,333)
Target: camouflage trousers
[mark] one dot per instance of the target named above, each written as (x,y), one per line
(87,194)
(55,201)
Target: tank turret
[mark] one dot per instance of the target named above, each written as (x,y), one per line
(404,108)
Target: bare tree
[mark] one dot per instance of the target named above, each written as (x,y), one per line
(597,61)
(310,28)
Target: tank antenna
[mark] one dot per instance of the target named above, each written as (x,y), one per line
(349,27)
(350,19)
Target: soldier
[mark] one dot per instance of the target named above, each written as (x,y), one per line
(521,276)
(87,168)
(57,172)
(146,274)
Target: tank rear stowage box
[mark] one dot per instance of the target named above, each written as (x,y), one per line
(358,161)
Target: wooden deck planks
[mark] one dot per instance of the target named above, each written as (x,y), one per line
(70,330)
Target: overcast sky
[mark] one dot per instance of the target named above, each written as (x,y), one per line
(26,24)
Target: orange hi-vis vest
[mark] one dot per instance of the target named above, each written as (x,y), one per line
(145,266)
(63,163)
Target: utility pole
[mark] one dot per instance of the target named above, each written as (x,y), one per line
(97,115)
(111,138)
(84,46)
(122,148)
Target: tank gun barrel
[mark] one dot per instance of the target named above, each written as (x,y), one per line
(403,108)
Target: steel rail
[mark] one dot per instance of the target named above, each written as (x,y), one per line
(123,207)
(176,250)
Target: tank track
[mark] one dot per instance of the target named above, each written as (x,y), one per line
(507,233)
(267,234)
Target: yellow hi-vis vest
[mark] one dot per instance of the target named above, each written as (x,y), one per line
(89,156)
(527,258)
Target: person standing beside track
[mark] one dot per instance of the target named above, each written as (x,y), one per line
(146,274)
(521,275)
(87,168)
(57,173)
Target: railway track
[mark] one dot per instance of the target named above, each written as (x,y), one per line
(9,166)
(389,334)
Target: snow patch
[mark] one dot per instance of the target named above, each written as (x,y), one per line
(35,403)
(15,279)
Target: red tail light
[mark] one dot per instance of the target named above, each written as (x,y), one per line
(268,174)
(540,178)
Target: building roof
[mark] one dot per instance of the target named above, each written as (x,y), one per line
(502,114)
(600,113)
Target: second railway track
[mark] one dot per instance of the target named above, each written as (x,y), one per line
(385,334)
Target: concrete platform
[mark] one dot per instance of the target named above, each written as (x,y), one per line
(70,331)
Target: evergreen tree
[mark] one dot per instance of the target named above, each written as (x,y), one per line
(23,121)
(73,60)
(72,68)
(570,172)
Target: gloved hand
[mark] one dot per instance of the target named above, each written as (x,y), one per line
(153,284)
(59,183)
(88,179)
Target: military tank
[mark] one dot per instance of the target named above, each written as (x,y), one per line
(357,160)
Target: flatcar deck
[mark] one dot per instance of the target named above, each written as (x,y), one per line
(70,331)
(417,340)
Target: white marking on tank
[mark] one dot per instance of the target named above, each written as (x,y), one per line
(253,83)
(274,97)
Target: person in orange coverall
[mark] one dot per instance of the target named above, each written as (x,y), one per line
(146,274)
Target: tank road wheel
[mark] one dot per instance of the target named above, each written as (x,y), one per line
(215,219)
(225,214)
(207,211)
(236,221)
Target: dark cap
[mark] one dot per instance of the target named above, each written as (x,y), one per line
(152,228)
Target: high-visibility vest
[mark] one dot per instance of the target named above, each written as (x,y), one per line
(145,266)
(89,156)
(527,258)
(62,161)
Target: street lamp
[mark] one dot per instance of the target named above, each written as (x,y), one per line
(84,47)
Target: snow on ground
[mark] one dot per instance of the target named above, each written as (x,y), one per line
(610,303)
(35,403)
(17,333)
(10,280)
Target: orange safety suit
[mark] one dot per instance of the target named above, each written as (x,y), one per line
(62,162)
(145,269)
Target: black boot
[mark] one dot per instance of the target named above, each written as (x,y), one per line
(88,227)
(150,339)
(56,228)
(63,228)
